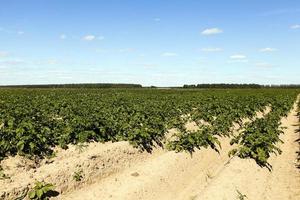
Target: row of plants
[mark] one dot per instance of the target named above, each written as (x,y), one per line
(33,121)
(260,138)
(219,117)
(298,152)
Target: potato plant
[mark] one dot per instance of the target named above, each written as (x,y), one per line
(34,121)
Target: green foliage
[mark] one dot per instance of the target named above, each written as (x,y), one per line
(78,175)
(41,191)
(188,141)
(34,121)
(260,137)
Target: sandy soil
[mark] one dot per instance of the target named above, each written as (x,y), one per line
(258,183)
(206,175)
(160,177)
(118,171)
(96,161)
(166,176)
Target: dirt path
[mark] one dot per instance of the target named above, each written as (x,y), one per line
(158,178)
(98,161)
(284,181)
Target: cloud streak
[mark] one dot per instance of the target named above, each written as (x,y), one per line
(89,37)
(263,65)
(3,54)
(10,31)
(238,57)
(212,31)
(268,49)
(169,54)
(211,49)
(295,26)
(92,37)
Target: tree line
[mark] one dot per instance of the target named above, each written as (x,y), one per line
(79,85)
(224,85)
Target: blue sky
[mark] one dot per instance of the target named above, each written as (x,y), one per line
(151,42)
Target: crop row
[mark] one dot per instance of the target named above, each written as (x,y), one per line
(298,152)
(260,137)
(33,121)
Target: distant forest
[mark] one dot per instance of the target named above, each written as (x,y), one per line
(79,85)
(224,85)
(124,85)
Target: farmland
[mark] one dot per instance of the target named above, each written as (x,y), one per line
(39,125)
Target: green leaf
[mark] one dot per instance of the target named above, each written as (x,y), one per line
(48,187)
(31,194)
(20,145)
(39,193)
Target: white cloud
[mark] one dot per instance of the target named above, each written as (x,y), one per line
(169,54)
(12,31)
(238,57)
(3,54)
(296,26)
(12,63)
(211,31)
(211,49)
(92,37)
(89,38)
(263,65)
(63,36)
(268,49)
